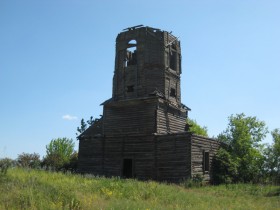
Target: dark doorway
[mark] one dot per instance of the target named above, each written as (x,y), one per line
(127,168)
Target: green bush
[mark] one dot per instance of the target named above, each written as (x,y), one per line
(224,168)
(59,153)
(5,164)
(27,160)
(72,165)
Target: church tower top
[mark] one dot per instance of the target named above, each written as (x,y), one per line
(148,61)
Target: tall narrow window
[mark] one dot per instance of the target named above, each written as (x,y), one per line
(173,60)
(131,53)
(206,162)
(173,92)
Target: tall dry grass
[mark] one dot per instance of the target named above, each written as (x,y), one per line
(34,189)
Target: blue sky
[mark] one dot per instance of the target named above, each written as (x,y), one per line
(57,62)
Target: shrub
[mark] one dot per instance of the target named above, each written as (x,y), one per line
(27,160)
(59,153)
(5,163)
(224,168)
(72,165)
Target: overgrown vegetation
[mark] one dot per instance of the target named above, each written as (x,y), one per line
(27,160)
(272,158)
(84,125)
(38,189)
(5,163)
(60,154)
(245,159)
(195,128)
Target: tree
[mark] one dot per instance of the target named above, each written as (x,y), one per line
(90,121)
(59,152)
(72,165)
(196,129)
(276,154)
(276,143)
(272,158)
(243,136)
(82,128)
(28,160)
(224,167)
(84,125)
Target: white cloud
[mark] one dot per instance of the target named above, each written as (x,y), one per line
(69,117)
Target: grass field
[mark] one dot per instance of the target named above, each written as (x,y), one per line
(30,189)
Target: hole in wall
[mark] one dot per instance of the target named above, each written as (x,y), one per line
(130,88)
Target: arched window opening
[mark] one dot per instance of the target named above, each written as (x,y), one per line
(132,42)
(131,53)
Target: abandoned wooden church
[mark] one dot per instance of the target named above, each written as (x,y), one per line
(142,133)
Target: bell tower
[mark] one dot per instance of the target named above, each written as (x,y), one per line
(146,94)
(147,59)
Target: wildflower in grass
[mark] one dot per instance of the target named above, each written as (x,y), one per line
(105,191)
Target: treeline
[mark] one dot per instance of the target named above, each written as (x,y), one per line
(243,157)
(60,156)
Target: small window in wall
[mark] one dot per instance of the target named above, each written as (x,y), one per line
(172,92)
(130,88)
(206,162)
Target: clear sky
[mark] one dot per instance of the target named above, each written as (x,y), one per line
(57,62)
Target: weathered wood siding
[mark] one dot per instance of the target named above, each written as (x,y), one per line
(170,119)
(104,156)
(162,157)
(130,117)
(173,157)
(142,117)
(90,158)
(199,146)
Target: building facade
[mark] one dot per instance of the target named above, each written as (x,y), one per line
(142,133)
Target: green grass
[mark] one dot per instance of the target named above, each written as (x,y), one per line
(30,189)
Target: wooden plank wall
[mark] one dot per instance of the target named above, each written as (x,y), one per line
(104,156)
(138,148)
(91,156)
(130,118)
(142,117)
(169,123)
(199,145)
(173,157)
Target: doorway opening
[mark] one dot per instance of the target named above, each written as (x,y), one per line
(127,171)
